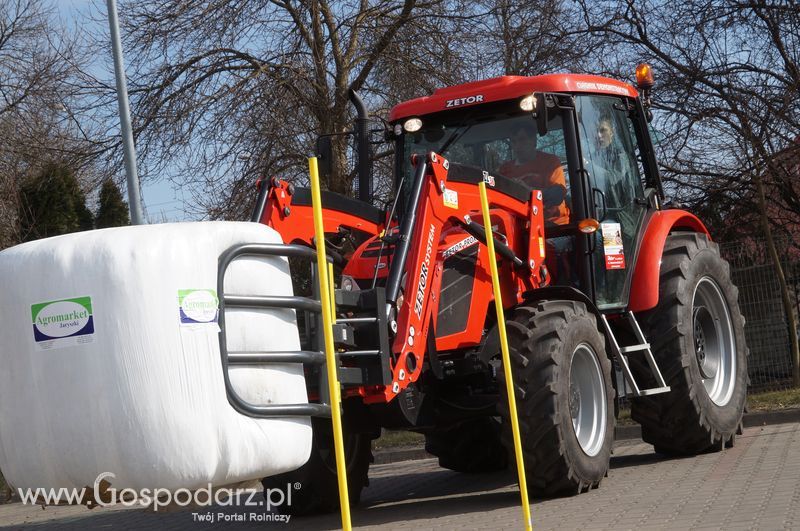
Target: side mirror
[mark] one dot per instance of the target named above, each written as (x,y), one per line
(541,114)
(325,156)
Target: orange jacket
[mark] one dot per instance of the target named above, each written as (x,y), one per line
(542,172)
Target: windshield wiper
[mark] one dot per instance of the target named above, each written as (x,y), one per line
(459,131)
(455,135)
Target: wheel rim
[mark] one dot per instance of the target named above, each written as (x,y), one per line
(587,399)
(714,341)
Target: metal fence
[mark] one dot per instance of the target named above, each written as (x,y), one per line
(766,328)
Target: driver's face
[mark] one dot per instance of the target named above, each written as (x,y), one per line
(604,134)
(523,144)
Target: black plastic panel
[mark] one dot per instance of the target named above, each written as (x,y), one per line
(458,278)
(334,201)
(464,173)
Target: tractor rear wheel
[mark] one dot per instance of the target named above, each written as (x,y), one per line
(564,396)
(472,447)
(319,487)
(697,337)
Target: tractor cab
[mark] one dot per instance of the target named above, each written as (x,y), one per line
(581,140)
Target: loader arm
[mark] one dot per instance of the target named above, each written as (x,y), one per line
(414,276)
(440,204)
(288,211)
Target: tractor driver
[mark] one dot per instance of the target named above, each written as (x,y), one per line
(605,145)
(539,170)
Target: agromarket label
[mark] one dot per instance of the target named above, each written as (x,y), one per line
(62,323)
(198,306)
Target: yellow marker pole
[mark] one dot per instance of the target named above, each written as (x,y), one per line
(501,327)
(330,356)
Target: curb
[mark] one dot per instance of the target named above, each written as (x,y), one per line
(778,416)
(404,453)
(621,433)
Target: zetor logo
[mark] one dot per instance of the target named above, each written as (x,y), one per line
(423,274)
(465,101)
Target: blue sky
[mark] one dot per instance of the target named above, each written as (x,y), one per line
(162,200)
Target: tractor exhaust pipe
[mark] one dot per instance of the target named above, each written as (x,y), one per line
(363,148)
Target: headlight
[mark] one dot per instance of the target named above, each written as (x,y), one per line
(412,125)
(528,103)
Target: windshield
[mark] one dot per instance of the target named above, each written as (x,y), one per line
(503,144)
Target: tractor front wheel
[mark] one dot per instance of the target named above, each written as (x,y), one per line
(564,397)
(317,479)
(472,447)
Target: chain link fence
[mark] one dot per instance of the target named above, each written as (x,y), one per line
(766,328)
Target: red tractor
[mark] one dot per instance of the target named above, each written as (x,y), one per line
(607,291)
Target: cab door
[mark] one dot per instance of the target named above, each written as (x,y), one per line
(608,144)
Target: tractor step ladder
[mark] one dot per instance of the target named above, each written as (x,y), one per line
(640,348)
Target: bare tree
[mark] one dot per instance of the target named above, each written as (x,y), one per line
(524,37)
(729,96)
(226,90)
(40,83)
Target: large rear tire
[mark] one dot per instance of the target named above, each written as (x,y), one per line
(564,396)
(319,488)
(472,447)
(697,337)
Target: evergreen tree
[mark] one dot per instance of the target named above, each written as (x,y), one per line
(52,203)
(113,211)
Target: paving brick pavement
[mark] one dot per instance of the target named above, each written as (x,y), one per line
(755,485)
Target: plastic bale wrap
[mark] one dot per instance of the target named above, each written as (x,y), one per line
(110,362)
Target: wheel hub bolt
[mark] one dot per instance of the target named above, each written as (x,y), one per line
(574,400)
(707,367)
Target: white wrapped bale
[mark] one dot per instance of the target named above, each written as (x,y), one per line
(110,360)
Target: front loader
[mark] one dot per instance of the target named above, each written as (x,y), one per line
(616,296)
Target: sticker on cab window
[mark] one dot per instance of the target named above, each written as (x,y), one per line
(612,245)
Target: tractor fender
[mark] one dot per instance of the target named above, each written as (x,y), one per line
(644,285)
